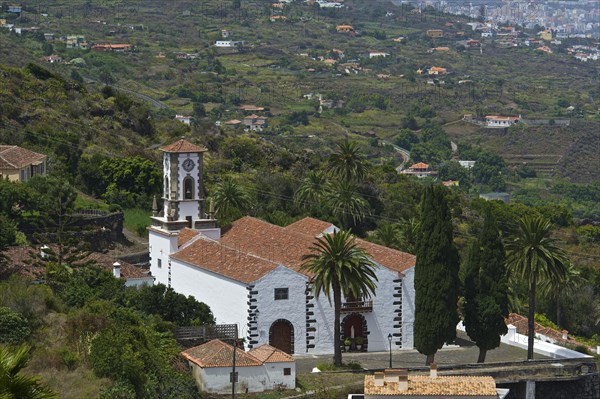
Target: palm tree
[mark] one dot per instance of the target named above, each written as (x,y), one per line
(312,190)
(409,232)
(347,204)
(388,235)
(536,258)
(568,284)
(348,162)
(339,266)
(230,200)
(13,385)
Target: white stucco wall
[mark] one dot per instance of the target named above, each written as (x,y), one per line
(408,308)
(275,374)
(138,282)
(216,379)
(324,324)
(225,297)
(160,247)
(292,309)
(380,321)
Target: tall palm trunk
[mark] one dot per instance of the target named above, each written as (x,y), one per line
(531,319)
(337,305)
(558,309)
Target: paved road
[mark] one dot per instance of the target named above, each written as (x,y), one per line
(464,353)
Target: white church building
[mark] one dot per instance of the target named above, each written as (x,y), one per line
(250,273)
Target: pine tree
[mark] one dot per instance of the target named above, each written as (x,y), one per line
(486,289)
(436,276)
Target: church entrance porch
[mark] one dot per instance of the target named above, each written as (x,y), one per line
(354,328)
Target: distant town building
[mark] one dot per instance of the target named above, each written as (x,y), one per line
(228,43)
(184,119)
(344,28)
(374,54)
(467,164)
(419,170)
(254,123)
(501,121)
(20,164)
(112,47)
(435,33)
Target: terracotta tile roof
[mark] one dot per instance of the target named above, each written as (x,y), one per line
(520,322)
(217,353)
(442,385)
(286,245)
(249,235)
(268,354)
(251,248)
(419,165)
(390,258)
(27,261)
(185,235)
(228,261)
(502,118)
(182,146)
(12,156)
(387,257)
(128,271)
(309,226)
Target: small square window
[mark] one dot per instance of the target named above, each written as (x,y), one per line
(287,371)
(159,263)
(231,377)
(281,293)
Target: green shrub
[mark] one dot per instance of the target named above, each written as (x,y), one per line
(69,359)
(121,390)
(14,328)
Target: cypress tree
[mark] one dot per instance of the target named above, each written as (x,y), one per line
(486,289)
(436,276)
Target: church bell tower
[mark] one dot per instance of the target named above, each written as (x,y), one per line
(183,206)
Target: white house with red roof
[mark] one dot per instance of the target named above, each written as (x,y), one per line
(250,274)
(260,369)
(419,170)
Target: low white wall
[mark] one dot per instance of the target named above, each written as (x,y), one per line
(513,338)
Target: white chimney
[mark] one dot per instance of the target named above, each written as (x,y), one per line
(391,375)
(378,379)
(44,251)
(433,371)
(403,383)
(117,269)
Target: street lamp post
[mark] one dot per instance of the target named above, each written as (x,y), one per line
(233,370)
(390,341)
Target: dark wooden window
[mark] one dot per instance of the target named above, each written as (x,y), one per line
(231,377)
(287,371)
(281,293)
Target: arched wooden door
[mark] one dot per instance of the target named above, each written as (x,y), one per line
(281,336)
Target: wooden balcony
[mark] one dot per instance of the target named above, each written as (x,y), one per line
(357,306)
